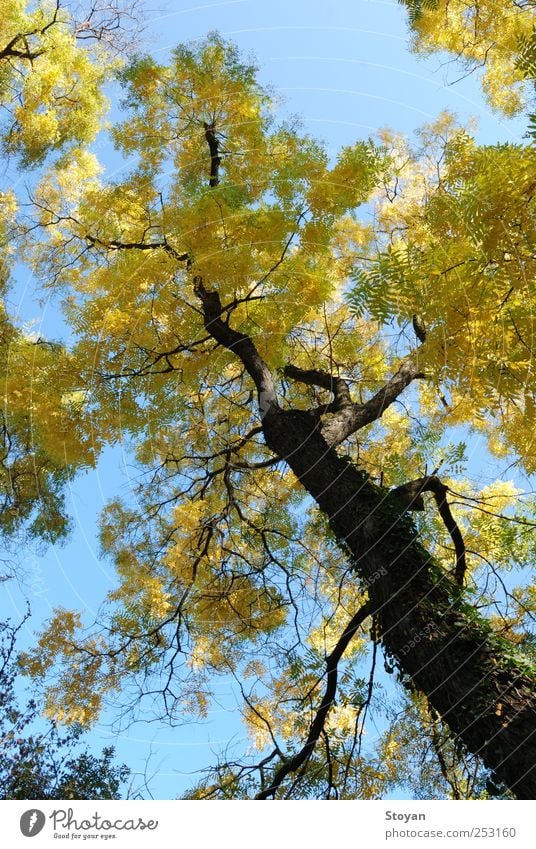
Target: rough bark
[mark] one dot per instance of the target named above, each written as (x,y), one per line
(441,646)
(483,691)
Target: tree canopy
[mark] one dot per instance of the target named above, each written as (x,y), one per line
(46,763)
(294,377)
(54,63)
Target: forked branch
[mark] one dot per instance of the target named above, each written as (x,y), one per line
(316,377)
(349,417)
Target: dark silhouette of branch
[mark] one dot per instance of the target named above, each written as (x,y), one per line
(419,328)
(317,725)
(117,245)
(411,495)
(316,377)
(349,417)
(240,343)
(215,158)
(19,46)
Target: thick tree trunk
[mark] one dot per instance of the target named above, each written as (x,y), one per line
(482,691)
(475,681)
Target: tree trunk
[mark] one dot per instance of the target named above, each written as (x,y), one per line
(471,677)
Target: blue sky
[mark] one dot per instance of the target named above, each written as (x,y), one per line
(345,68)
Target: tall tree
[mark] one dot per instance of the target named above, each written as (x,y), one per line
(287,440)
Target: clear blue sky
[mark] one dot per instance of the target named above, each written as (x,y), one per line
(344,66)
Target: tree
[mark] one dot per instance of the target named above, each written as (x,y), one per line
(46,764)
(287,444)
(54,62)
(498,37)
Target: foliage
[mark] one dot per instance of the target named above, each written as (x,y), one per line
(46,763)
(53,66)
(457,249)
(231,282)
(495,35)
(49,87)
(421,756)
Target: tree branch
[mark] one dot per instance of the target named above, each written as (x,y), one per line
(350,417)
(317,725)
(10,51)
(240,343)
(411,495)
(117,245)
(215,158)
(315,377)
(419,327)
